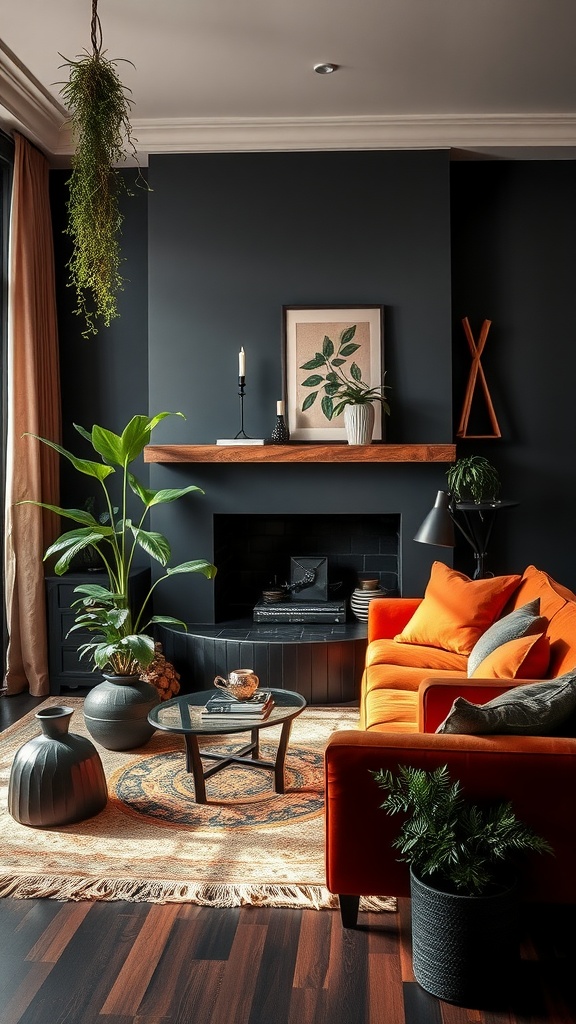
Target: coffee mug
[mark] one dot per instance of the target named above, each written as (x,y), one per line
(241,683)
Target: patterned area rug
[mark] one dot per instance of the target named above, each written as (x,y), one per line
(153,843)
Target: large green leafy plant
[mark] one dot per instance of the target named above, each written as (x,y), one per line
(457,845)
(120,640)
(339,389)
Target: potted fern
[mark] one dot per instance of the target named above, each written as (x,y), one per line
(462,859)
(120,643)
(473,478)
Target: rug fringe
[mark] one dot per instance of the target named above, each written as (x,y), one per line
(60,887)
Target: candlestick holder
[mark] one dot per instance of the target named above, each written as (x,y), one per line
(241,385)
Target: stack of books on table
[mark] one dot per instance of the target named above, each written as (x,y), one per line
(221,707)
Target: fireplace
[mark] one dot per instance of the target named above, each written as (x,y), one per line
(253,552)
(250,521)
(322,661)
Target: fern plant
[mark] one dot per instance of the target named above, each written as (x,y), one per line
(459,846)
(473,478)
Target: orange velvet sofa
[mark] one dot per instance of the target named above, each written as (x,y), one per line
(402,702)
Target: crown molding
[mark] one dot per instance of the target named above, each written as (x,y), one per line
(472,132)
(27,106)
(34,111)
(398,132)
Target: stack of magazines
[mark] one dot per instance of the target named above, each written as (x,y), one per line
(223,707)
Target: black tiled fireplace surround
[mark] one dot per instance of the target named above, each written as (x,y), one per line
(253,551)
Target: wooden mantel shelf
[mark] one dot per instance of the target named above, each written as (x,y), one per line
(294,452)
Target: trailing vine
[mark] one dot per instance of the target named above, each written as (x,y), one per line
(99,107)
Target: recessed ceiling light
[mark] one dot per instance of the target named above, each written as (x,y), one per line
(325,69)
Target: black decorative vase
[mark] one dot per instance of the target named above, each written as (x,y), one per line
(280,434)
(116,712)
(465,949)
(56,778)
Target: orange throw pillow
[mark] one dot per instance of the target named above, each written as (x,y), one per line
(527,657)
(456,610)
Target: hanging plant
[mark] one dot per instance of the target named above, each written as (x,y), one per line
(99,106)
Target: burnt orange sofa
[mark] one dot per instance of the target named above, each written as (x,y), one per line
(407,691)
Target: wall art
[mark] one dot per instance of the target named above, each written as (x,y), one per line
(324,347)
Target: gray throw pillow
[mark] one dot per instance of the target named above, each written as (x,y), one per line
(524,621)
(535,709)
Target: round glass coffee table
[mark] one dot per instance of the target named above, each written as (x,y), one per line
(184,715)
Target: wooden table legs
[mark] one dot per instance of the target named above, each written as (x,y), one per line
(248,755)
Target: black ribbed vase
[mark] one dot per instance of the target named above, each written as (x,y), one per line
(116,712)
(465,949)
(56,778)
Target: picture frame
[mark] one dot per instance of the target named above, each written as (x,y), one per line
(305,329)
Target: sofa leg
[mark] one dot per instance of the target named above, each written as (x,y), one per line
(349,910)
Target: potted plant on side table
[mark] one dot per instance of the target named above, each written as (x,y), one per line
(116,710)
(462,856)
(473,478)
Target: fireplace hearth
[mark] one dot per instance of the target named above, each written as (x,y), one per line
(324,663)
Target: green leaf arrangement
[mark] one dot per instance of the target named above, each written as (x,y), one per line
(339,390)
(120,640)
(99,106)
(473,478)
(460,846)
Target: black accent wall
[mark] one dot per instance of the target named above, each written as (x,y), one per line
(514,262)
(224,240)
(235,237)
(105,378)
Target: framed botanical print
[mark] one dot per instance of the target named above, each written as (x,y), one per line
(323,348)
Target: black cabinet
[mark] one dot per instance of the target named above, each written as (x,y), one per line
(65,668)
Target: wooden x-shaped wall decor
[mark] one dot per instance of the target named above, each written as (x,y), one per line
(476,372)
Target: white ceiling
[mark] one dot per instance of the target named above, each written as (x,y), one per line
(480,76)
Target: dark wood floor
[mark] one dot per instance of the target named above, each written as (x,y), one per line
(139,963)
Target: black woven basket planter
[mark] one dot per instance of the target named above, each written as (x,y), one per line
(465,949)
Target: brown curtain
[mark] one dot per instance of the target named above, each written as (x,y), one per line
(33,398)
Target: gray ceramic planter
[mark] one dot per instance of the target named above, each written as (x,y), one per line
(116,712)
(56,778)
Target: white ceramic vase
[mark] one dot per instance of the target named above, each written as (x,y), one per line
(359,423)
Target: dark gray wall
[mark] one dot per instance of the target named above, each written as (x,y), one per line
(514,262)
(105,378)
(235,237)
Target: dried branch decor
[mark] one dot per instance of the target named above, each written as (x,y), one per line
(99,107)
